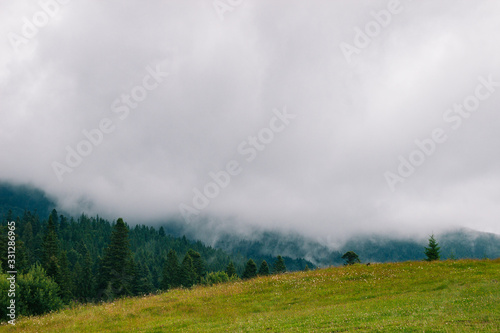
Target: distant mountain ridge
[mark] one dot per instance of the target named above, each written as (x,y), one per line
(298,250)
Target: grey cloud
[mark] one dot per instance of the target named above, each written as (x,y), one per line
(323,175)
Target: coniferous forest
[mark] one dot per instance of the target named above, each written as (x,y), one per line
(61,260)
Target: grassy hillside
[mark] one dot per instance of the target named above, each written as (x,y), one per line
(446,296)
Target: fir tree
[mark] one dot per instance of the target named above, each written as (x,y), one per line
(117,269)
(432,252)
(231,270)
(187,273)
(170,271)
(198,265)
(250,270)
(50,250)
(279,265)
(264,268)
(64,278)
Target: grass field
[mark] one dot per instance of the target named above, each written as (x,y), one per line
(446,296)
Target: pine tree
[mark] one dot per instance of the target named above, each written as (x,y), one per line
(279,266)
(231,270)
(170,271)
(117,273)
(264,268)
(432,252)
(187,273)
(250,270)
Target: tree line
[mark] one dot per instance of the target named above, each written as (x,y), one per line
(90,259)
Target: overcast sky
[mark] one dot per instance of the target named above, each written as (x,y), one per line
(333,99)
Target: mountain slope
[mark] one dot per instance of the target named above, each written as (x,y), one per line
(412,296)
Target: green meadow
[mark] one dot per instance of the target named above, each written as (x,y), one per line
(441,296)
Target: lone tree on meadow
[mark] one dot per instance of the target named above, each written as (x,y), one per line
(351,258)
(432,252)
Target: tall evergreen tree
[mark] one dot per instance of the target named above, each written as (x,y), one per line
(187,273)
(116,272)
(84,279)
(64,278)
(198,265)
(231,270)
(143,283)
(433,251)
(50,250)
(279,265)
(170,271)
(264,268)
(250,270)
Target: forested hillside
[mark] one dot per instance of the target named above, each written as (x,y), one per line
(60,259)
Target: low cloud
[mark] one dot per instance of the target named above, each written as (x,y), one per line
(324,174)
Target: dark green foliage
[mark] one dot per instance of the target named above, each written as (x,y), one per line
(142,283)
(432,252)
(37,293)
(187,274)
(117,268)
(264,268)
(231,270)
(215,278)
(171,271)
(63,279)
(50,250)
(350,258)
(198,265)
(250,270)
(279,265)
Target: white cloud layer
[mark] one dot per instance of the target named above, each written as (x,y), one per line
(322,175)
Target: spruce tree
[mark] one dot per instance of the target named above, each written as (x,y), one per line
(170,271)
(50,250)
(264,268)
(198,265)
(432,252)
(187,273)
(231,270)
(279,266)
(116,272)
(64,278)
(250,270)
